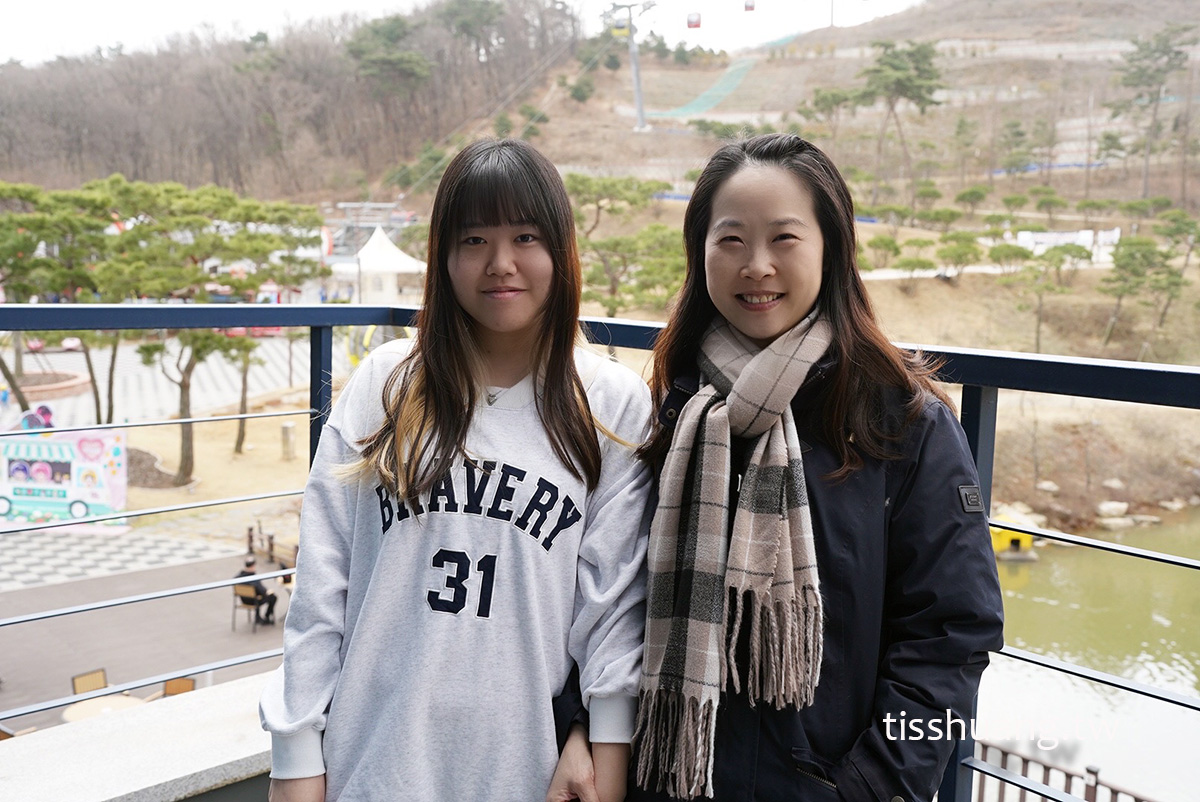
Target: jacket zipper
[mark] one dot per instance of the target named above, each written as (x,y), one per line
(818,778)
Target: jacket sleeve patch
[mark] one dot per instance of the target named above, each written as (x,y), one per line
(971,498)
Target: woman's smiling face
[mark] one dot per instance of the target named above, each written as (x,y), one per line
(764,252)
(501,276)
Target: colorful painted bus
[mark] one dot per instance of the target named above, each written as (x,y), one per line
(51,476)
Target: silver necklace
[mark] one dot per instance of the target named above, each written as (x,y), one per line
(493,393)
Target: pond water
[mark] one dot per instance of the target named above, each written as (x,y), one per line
(1130,617)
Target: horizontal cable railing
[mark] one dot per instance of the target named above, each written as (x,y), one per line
(118,516)
(163,422)
(145,682)
(1071,669)
(1109,379)
(981,373)
(1099,545)
(141,597)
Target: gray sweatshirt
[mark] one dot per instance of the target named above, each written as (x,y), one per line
(423,647)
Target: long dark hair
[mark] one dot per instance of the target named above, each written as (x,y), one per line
(430,396)
(865,362)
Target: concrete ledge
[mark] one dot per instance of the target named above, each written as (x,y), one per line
(169,749)
(76,384)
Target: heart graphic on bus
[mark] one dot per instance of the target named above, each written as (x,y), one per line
(91,448)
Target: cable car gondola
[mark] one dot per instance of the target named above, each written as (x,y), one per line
(749,5)
(694,20)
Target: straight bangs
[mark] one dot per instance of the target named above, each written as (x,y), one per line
(501,189)
(507,182)
(493,183)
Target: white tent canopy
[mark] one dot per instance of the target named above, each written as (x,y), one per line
(384,273)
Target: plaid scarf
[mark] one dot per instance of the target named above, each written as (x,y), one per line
(705,588)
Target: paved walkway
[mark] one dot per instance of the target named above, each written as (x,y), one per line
(55,568)
(52,556)
(65,554)
(38,659)
(50,569)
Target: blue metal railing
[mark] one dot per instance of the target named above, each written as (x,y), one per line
(982,375)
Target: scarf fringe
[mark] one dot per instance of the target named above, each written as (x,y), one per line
(674,742)
(785,647)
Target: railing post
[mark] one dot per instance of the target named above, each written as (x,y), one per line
(978,419)
(1090,784)
(979,422)
(320,383)
(958,780)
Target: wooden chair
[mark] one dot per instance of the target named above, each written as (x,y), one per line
(90,681)
(244,596)
(174,687)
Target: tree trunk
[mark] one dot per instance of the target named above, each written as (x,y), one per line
(908,172)
(12,383)
(992,142)
(18,354)
(1037,337)
(1112,321)
(243,405)
(596,222)
(1162,315)
(1087,156)
(112,373)
(614,294)
(187,451)
(879,155)
(1148,144)
(91,369)
(1184,143)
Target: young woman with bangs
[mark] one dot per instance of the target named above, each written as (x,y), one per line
(820,563)
(470,529)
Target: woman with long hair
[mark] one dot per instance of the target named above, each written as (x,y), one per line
(470,527)
(820,565)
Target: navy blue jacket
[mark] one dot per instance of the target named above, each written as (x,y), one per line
(912,607)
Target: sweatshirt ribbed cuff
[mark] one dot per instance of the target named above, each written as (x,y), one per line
(296,756)
(612,719)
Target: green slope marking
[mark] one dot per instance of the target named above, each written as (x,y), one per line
(725,85)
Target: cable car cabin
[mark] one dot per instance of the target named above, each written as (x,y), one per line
(749,5)
(693,20)
(620,29)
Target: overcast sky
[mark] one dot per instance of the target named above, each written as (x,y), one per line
(32,31)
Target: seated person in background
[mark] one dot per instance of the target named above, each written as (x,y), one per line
(265,597)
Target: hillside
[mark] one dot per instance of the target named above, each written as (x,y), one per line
(1039,20)
(328,110)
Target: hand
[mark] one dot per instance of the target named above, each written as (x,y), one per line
(574,776)
(304,789)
